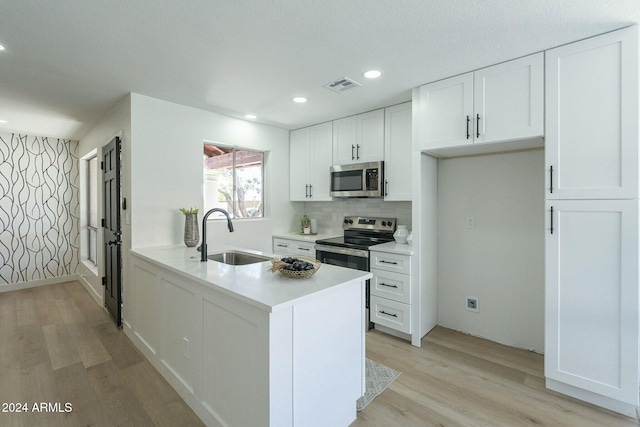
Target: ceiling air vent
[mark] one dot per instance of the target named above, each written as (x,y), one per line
(341,85)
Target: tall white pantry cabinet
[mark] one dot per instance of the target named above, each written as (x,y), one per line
(591,255)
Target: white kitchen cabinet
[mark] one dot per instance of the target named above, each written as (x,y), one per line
(220,350)
(592,118)
(500,103)
(310,157)
(358,139)
(293,247)
(397,152)
(592,334)
(591,320)
(390,289)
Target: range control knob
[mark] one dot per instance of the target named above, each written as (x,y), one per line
(390,224)
(350,221)
(346,221)
(384,223)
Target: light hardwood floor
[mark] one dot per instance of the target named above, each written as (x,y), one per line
(58,346)
(458,380)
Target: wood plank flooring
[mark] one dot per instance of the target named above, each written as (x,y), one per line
(458,380)
(58,346)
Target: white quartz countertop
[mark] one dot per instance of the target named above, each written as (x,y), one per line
(251,283)
(308,237)
(393,248)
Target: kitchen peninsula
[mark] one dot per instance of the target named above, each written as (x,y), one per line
(244,346)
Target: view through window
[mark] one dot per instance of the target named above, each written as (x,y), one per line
(233,180)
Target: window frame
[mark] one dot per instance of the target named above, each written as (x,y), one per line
(234,149)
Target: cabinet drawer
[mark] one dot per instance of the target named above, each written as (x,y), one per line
(391,314)
(282,246)
(394,286)
(304,248)
(391,262)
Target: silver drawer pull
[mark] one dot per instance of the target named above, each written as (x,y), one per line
(390,286)
(283,246)
(304,249)
(388,314)
(388,262)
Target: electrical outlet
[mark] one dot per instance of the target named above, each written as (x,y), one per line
(471,222)
(472,304)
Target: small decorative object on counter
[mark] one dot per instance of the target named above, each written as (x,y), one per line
(296,268)
(400,236)
(410,238)
(305,224)
(191,233)
(314,226)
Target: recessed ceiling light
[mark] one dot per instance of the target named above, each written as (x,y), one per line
(371,74)
(3,122)
(299,99)
(249,116)
(1,47)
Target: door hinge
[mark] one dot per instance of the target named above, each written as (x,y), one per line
(104,281)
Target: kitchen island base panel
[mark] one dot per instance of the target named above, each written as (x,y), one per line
(238,364)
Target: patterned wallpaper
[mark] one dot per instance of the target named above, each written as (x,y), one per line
(39,208)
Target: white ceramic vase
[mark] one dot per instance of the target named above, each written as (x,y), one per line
(400,236)
(410,238)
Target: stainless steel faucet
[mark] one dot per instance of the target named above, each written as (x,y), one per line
(203,247)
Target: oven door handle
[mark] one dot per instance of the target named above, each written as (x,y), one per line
(343,251)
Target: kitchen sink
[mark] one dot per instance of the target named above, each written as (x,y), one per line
(237,258)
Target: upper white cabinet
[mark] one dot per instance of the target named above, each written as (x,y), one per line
(500,103)
(592,118)
(359,138)
(397,152)
(310,152)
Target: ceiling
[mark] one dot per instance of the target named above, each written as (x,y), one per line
(68,62)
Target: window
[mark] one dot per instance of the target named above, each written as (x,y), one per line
(92,209)
(234,180)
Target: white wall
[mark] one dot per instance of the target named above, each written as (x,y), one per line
(167,173)
(501,260)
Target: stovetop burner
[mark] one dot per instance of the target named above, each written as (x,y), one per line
(363,232)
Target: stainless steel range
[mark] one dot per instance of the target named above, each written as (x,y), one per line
(352,249)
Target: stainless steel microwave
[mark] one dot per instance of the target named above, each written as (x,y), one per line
(358,180)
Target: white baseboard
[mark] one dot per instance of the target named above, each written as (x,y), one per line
(596,399)
(41,282)
(99,299)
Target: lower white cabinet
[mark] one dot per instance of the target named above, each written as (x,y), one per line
(293,247)
(390,289)
(591,330)
(238,363)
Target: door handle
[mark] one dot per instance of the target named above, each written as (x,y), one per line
(352,156)
(358,152)
(551,179)
(551,220)
(114,242)
(306,190)
(477,125)
(310,190)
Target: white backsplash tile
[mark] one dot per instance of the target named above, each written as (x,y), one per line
(324,212)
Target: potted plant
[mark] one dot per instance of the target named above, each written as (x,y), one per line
(305,223)
(191,234)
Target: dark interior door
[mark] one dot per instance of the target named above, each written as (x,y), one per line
(112,232)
